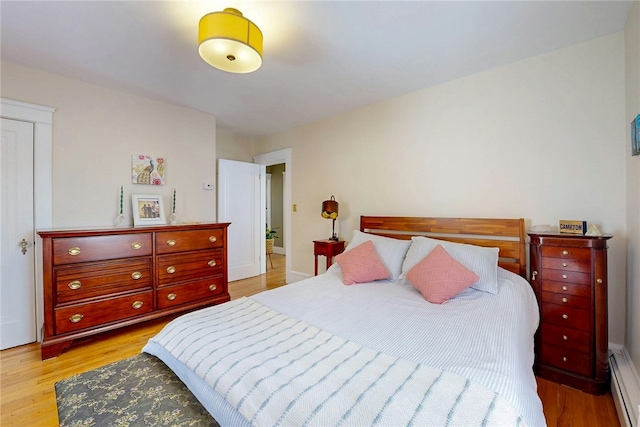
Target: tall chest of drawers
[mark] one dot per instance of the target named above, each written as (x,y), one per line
(569,277)
(98,280)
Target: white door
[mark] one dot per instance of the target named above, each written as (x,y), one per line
(17,260)
(240,202)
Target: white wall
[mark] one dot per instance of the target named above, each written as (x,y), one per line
(632,67)
(542,139)
(96,131)
(233,147)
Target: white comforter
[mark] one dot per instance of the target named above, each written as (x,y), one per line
(485,338)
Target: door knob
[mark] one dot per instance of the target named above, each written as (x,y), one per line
(24,244)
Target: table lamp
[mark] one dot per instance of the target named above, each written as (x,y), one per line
(330,211)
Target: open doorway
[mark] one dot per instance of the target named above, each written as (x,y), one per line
(275,205)
(281,157)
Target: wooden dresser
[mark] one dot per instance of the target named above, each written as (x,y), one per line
(99,280)
(569,276)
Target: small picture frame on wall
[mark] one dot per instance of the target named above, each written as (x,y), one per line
(147,210)
(635,136)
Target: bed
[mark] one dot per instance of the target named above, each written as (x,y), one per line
(319,352)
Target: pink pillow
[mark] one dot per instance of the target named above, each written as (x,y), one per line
(439,277)
(361,264)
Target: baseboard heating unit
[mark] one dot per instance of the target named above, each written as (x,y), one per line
(625,386)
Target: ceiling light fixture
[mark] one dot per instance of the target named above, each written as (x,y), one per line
(229,41)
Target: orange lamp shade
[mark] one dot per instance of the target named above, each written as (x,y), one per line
(330,208)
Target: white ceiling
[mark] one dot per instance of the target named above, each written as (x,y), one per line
(321,58)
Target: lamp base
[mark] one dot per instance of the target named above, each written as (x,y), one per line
(334,237)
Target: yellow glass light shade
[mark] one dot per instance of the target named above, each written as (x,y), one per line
(230,42)
(329,215)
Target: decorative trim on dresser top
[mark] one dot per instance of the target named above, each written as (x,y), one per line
(569,277)
(99,280)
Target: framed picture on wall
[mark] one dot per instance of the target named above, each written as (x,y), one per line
(147,210)
(635,136)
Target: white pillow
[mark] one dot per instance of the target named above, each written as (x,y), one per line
(481,260)
(391,251)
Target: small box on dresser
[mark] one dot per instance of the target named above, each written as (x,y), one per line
(99,280)
(569,277)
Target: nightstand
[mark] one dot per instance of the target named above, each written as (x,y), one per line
(328,248)
(569,277)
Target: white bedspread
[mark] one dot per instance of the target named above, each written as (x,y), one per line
(484,338)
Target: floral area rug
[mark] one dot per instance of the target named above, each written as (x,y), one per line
(138,391)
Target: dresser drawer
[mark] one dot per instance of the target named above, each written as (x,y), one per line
(94,248)
(81,316)
(168,242)
(566,252)
(566,300)
(572,339)
(96,279)
(567,288)
(170,296)
(192,265)
(567,360)
(566,276)
(580,265)
(566,317)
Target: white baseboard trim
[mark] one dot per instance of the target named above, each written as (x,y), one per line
(295,276)
(625,386)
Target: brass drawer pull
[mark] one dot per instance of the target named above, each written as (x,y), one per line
(171,269)
(565,252)
(74,285)
(564,300)
(564,358)
(564,288)
(564,276)
(564,337)
(565,264)
(565,316)
(76,318)
(213,239)
(74,251)
(599,281)
(136,245)
(171,242)
(136,275)
(534,273)
(212,287)
(212,263)
(137,304)
(171,296)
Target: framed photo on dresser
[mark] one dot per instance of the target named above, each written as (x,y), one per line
(147,210)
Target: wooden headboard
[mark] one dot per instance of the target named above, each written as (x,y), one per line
(506,234)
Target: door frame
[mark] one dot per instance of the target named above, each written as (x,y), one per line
(42,118)
(276,158)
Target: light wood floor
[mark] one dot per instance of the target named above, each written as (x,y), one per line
(27,392)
